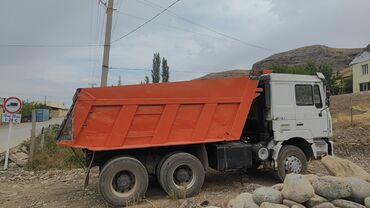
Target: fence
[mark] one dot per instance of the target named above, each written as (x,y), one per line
(350,108)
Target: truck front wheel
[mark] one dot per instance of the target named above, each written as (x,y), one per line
(291,159)
(182,174)
(123,180)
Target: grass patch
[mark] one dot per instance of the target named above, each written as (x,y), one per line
(53,155)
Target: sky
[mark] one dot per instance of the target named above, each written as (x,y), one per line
(195,36)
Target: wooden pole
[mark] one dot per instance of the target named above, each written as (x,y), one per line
(351,105)
(108,32)
(42,138)
(33,136)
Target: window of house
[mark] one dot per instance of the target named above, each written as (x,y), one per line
(365,69)
(365,86)
(317,96)
(304,95)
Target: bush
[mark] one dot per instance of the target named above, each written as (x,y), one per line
(53,155)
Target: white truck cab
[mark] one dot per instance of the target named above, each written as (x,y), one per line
(297,110)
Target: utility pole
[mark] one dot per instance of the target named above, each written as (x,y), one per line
(108,32)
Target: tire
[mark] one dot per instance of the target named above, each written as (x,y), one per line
(182,175)
(291,159)
(123,180)
(160,164)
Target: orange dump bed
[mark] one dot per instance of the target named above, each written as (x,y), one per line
(165,114)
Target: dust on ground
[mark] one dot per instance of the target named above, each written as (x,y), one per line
(64,188)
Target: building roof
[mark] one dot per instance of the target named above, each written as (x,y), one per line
(364,56)
(58,105)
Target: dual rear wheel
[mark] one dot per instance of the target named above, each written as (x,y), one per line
(124,180)
(180,174)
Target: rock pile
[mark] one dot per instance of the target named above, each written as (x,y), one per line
(348,187)
(18,156)
(299,191)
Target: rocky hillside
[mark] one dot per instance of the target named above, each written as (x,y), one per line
(229,73)
(338,58)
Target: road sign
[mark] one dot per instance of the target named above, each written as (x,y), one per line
(14,118)
(13,105)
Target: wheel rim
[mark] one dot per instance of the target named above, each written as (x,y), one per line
(123,182)
(293,164)
(183,177)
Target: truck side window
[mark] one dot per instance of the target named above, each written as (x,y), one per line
(317,96)
(304,95)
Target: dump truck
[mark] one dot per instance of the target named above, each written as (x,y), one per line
(178,131)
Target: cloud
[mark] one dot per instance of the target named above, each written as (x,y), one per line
(33,73)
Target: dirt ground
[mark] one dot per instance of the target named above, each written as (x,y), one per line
(64,188)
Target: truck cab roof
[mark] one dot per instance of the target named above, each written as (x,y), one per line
(280,77)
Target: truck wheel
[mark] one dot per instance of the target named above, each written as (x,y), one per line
(182,174)
(160,164)
(291,159)
(123,180)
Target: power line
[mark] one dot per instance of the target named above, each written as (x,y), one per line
(157,6)
(51,45)
(172,27)
(146,22)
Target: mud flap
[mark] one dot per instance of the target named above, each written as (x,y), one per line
(87,178)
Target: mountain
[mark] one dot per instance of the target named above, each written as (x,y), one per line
(338,58)
(230,73)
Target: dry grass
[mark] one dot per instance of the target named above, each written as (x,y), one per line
(52,155)
(342,112)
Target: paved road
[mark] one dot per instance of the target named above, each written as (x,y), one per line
(22,132)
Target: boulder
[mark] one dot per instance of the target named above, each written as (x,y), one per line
(367,202)
(297,188)
(20,158)
(344,168)
(240,200)
(325,205)
(332,187)
(278,186)
(291,203)
(311,177)
(298,206)
(360,189)
(315,200)
(212,207)
(346,204)
(272,205)
(267,194)
(250,204)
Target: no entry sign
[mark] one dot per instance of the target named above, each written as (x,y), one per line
(13,105)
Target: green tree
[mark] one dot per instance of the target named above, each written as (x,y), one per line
(335,82)
(119,81)
(146,81)
(28,107)
(156,68)
(165,71)
(348,82)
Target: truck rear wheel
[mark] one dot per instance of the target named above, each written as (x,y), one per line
(160,164)
(182,174)
(123,180)
(291,159)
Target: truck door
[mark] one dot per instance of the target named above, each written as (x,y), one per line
(309,115)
